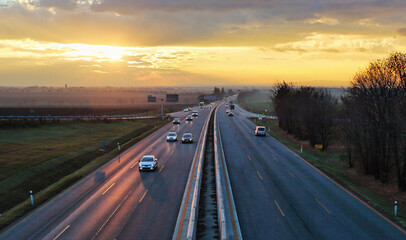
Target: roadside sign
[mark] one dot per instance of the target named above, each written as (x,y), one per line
(318,146)
(172,97)
(151,98)
(259,117)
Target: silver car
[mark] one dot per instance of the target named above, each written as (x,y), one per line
(172,137)
(148,162)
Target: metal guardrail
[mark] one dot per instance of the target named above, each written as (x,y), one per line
(81,117)
(227,213)
(187,218)
(220,200)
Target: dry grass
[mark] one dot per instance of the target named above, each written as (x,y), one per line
(50,158)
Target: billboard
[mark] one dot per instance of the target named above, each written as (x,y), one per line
(151,98)
(172,97)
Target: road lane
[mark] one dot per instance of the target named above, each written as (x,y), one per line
(279,196)
(106,204)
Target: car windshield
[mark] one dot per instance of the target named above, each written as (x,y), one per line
(187,135)
(172,134)
(147,159)
(176,119)
(261,129)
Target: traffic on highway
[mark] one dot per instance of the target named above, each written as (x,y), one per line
(261,190)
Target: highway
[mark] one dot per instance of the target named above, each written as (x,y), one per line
(280,196)
(117,201)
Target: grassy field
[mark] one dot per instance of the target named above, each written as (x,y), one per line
(258,103)
(372,191)
(49,158)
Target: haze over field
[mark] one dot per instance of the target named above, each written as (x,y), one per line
(194,42)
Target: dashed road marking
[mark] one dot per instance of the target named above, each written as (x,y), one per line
(290,173)
(134,164)
(142,198)
(108,188)
(280,210)
(61,232)
(259,175)
(323,206)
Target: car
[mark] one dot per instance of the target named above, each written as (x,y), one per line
(189,118)
(176,121)
(148,162)
(189,109)
(187,138)
(230,114)
(195,113)
(227,111)
(260,131)
(172,137)
(186,110)
(226,106)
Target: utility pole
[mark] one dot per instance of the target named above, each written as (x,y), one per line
(162,109)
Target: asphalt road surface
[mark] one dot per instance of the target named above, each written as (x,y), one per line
(117,201)
(280,196)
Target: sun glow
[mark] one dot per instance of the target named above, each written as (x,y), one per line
(98,52)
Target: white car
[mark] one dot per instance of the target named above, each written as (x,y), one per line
(260,131)
(186,110)
(195,113)
(172,137)
(148,162)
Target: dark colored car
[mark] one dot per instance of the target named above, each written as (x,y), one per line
(187,138)
(176,121)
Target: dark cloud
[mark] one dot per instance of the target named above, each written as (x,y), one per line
(402,31)
(261,23)
(61,4)
(131,6)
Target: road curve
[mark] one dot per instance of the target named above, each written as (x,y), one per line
(117,201)
(280,196)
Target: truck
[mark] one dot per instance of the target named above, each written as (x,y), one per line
(201,104)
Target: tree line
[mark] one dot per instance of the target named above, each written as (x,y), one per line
(305,112)
(370,119)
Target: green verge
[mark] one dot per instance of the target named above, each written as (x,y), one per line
(91,162)
(329,162)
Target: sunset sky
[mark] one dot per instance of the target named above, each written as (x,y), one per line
(194,42)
